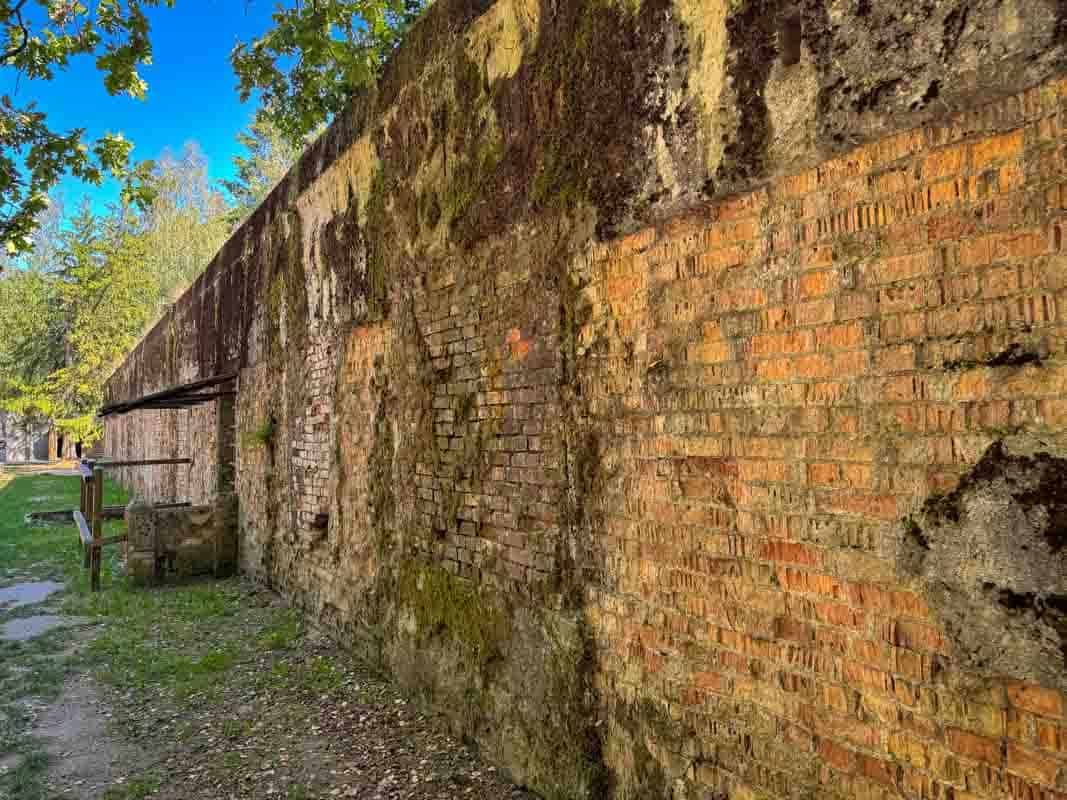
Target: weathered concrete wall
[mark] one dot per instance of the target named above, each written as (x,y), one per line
(670,392)
(22,439)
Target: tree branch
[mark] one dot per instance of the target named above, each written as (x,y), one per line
(16,51)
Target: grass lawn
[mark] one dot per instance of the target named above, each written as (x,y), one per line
(164,648)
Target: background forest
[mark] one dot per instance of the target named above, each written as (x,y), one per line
(75,303)
(80,283)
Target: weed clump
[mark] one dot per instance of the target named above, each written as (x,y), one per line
(261,436)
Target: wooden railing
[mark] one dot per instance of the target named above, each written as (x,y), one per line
(90,519)
(90,514)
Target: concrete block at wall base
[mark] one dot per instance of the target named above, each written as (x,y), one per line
(140,565)
(140,526)
(194,556)
(196,540)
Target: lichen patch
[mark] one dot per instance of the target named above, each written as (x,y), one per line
(705,23)
(992,560)
(347,180)
(503,35)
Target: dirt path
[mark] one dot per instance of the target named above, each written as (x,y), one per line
(85,757)
(358,739)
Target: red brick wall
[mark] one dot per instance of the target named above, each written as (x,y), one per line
(774,383)
(631,513)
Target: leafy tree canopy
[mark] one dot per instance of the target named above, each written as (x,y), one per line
(73,307)
(316,55)
(305,68)
(40,37)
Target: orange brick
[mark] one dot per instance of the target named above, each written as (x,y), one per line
(837,614)
(1038,700)
(741,206)
(878,506)
(816,284)
(902,268)
(895,359)
(1052,412)
(796,581)
(821,255)
(996,148)
(1050,736)
(1018,244)
(858,476)
(824,474)
(836,756)
(956,225)
(890,182)
(815,312)
(790,552)
(709,352)
(1032,765)
(814,366)
(973,746)
(796,185)
(1056,197)
(908,749)
(721,259)
(835,697)
(849,365)
(903,296)
(855,305)
(740,299)
(976,252)
(854,731)
(866,677)
(839,337)
(915,636)
(883,772)
(949,193)
(710,682)
(1000,281)
(908,604)
(793,629)
(777,319)
(775,369)
(776,343)
(944,163)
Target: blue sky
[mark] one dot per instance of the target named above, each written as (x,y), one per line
(191,90)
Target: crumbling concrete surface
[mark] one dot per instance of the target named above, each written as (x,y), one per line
(190,540)
(993,558)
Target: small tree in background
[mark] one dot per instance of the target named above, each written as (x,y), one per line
(270,155)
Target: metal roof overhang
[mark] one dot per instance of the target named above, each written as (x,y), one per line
(185,395)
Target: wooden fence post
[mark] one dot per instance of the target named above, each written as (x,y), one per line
(97,551)
(87,512)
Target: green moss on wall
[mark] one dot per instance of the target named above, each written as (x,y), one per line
(379,232)
(445,605)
